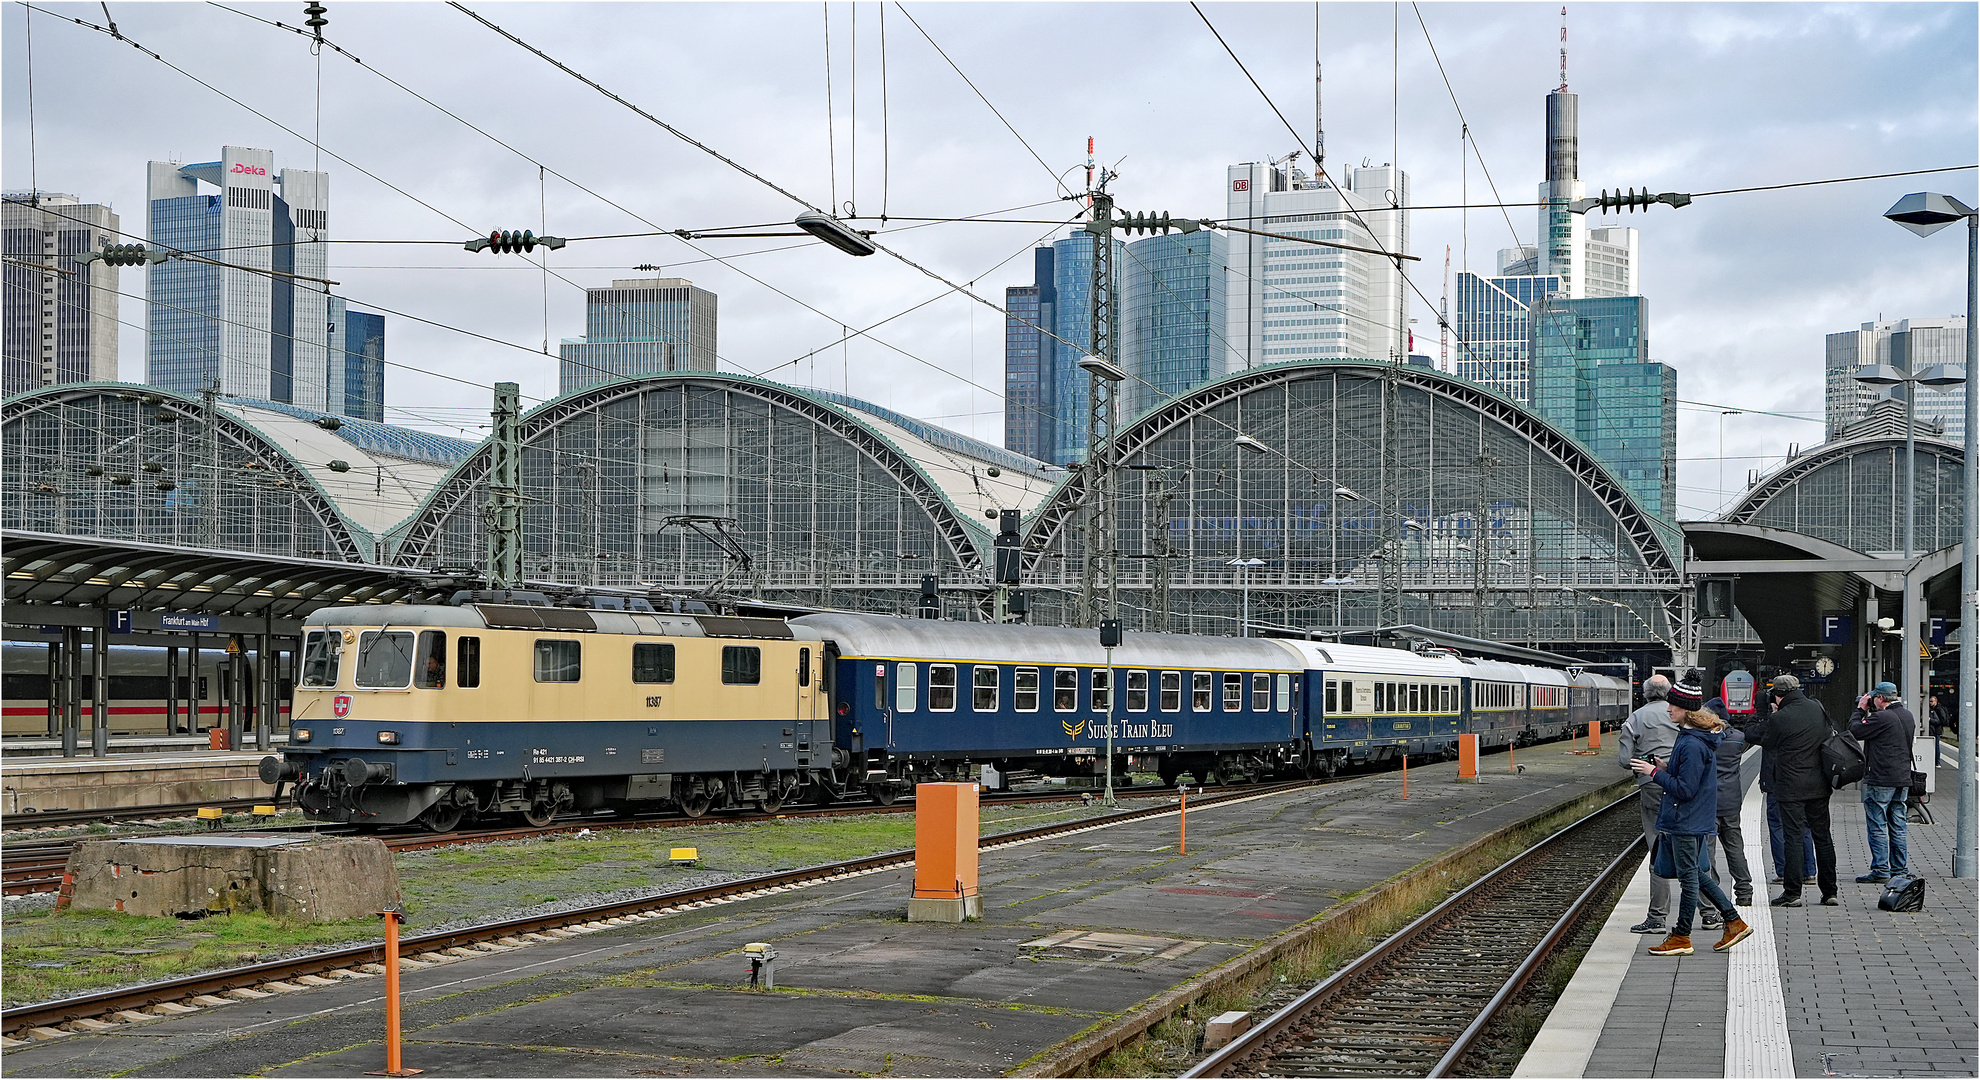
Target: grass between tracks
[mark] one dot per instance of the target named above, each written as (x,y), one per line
(1176,1043)
(50,954)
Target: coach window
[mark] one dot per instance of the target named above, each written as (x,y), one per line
(1102,689)
(653,662)
(1285,693)
(1199,691)
(1333,697)
(1261,693)
(1024,689)
(985,697)
(906,677)
(430,668)
(467,663)
(1233,692)
(1137,691)
(558,661)
(385,659)
(1065,689)
(1415,697)
(942,687)
(1172,691)
(321,651)
(879,686)
(742,665)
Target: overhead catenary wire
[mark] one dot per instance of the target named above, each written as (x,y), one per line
(980,96)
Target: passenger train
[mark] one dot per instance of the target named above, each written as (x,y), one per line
(140,690)
(433,713)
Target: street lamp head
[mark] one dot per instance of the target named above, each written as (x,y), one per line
(835,232)
(1251,444)
(1879,375)
(1093,365)
(1412,523)
(1926,212)
(1940,376)
(1246,562)
(1342,491)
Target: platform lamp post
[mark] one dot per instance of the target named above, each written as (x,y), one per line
(1925,213)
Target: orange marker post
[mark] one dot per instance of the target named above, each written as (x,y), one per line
(1405,793)
(1594,734)
(393,1064)
(1184,848)
(1467,757)
(1510,766)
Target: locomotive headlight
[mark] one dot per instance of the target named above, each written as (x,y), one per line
(300,734)
(389,738)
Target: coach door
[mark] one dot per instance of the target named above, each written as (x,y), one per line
(809,694)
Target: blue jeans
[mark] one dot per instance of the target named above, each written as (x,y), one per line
(1690,852)
(1886,815)
(1780,842)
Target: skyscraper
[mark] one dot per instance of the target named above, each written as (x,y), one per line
(1028,418)
(1910,345)
(1072,322)
(256,333)
(60,323)
(1593,378)
(640,326)
(1172,316)
(357,363)
(1288,300)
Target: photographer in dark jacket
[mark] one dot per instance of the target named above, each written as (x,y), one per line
(1732,747)
(1794,736)
(1885,726)
(1755,731)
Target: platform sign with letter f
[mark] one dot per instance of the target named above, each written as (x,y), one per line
(120,622)
(1838,629)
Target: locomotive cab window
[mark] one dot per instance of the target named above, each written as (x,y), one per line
(652,662)
(1137,691)
(385,659)
(558,661)
(322,649)
(906,678)
(1024,689)
(467,663)
(984,691)
(942,687)
(742,665)
(1065,689)
(1172,691)
(431,671)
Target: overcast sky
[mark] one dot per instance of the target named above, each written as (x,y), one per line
(1690,97)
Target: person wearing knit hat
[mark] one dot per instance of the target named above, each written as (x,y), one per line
(1688,817)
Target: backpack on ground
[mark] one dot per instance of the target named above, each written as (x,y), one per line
(1904,893)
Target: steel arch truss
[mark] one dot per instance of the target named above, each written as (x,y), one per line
(1770,487)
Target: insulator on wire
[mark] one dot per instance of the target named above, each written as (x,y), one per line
(505,242)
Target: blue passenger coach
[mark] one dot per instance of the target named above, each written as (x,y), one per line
(918,700)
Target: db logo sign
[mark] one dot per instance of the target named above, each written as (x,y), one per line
(340,706)
(251,170)
(1236,185)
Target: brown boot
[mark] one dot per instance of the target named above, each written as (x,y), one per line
(1675,945)
(1736,932)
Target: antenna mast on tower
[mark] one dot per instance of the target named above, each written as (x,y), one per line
(1444,317)
(1563,88)
(1319,132)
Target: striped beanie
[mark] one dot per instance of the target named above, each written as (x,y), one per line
(1687,695)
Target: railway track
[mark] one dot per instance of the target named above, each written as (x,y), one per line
(27,868)
(1418,1003)
(178,996)
(56,819)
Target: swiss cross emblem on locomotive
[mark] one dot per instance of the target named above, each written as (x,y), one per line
(340,706)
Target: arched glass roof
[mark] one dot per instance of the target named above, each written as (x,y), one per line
(1851,492)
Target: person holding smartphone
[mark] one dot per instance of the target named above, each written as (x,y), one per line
(1688,816)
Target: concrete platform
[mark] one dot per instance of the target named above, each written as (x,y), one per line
(32,785)
(1817,991)
(1077,931)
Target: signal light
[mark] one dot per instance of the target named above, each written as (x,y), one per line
(504,242)
(123,255)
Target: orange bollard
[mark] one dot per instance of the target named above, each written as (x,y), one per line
(1594,734)
(1405,793)
(393,1064)
(1467,757)
(1510,766)
(1184,849)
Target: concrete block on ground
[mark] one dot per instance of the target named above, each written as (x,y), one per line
(1224,1027)
(307,879)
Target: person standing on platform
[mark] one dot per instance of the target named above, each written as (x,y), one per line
(1648,735)
(1884,725)
(1939,716)
(1795,734)
(1732,747)
(1688,815)
(1755,731)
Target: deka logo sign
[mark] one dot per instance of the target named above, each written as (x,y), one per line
(251,170)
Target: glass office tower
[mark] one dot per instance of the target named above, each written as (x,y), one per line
(1028,418)
(1072,321)
(1172,316)
(639,326)
(1593,378)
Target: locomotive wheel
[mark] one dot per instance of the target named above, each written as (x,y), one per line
(540,814)
(771,803)
(885,794)
(697,804)
(442,817)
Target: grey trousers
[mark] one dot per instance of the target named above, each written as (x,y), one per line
(1648,798)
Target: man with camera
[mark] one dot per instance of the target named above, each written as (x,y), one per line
(1884,726)
(1794,735)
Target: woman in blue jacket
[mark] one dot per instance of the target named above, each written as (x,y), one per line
(1689,815)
